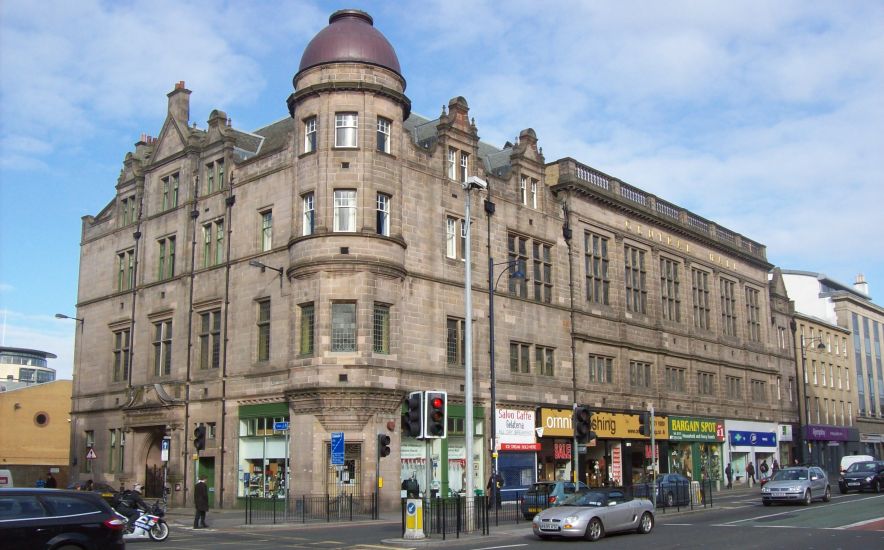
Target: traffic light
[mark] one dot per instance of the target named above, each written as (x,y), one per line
(199,437)
(413,424)
(644,424)
(582,422)
(383,445)
(437,415)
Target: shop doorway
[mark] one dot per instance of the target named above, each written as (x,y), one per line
(344,480)
(206,466)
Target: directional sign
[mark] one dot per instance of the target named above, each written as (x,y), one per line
(91,454)
(337,448)
(164,450)
(280,426)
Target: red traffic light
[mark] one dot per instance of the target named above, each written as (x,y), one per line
(437,402)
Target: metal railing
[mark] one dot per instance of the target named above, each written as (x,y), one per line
(453,516)
(310,509)
(677,494)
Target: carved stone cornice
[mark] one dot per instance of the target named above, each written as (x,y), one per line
(344,408)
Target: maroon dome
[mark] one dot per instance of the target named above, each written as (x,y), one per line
(350,37)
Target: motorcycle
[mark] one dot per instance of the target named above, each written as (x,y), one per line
(150,526)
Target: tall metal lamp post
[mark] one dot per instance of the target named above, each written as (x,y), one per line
(492,284)
(804,400)
(472,182)
(805,342)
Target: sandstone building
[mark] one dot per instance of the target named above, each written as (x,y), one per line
(311,272)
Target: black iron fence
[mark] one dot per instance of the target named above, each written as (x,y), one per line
(676,494)
(310,509)
(452,516)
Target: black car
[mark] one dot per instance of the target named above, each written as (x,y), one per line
(32,519)
(863,476)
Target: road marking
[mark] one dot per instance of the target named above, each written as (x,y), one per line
(507,546)
(683,524)
(808,508)
(859,523)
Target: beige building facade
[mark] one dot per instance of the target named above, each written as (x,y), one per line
(35,432)
(289,284)
(829,389)
(851,307)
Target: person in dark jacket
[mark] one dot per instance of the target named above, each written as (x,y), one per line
(201,503)
(51,483)
(729,473)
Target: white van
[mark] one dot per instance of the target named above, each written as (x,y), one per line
(6,479)
(851,459)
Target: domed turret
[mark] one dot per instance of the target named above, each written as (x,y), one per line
(350,37)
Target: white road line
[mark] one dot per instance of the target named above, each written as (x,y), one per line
(507,546)
(799,510)
(858,524)
(683,524)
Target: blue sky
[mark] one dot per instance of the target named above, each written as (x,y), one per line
(765,117)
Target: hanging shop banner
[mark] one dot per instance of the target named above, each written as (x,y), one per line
(606,425)
(616,468)
(682,428)
(753,439)
(515,430)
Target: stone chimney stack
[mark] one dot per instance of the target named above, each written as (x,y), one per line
(861,285)
(179,103)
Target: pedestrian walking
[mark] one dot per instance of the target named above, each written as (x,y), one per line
(493,487)
(729,473)
(51,483)
(201,503)
(750,474)
(776,467)
(763,469)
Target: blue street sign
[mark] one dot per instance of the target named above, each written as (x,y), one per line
(337,448)
(280,426)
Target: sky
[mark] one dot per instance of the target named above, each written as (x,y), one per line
(766,117)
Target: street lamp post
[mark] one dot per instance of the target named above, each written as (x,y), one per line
(472,182)
(492,284)
(805,400)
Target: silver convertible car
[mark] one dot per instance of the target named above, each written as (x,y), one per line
(594,513)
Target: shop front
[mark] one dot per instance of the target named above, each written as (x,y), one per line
(263,451)
(618,456)
(440,465)
(555,435)
(517,449)
(827,444)
(786,445)
(695,444)
(752,443)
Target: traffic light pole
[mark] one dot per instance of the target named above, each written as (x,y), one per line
(653,454)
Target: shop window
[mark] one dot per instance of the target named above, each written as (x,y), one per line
(262,457)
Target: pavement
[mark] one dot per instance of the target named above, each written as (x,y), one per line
(234,519)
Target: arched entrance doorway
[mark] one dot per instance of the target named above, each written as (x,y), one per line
(155,468)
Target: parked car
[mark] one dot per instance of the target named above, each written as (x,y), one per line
(802,484)
(546,494)
(593,513)
(846,461)
(103,489)
(32,519)
(863,476)
(673,490)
